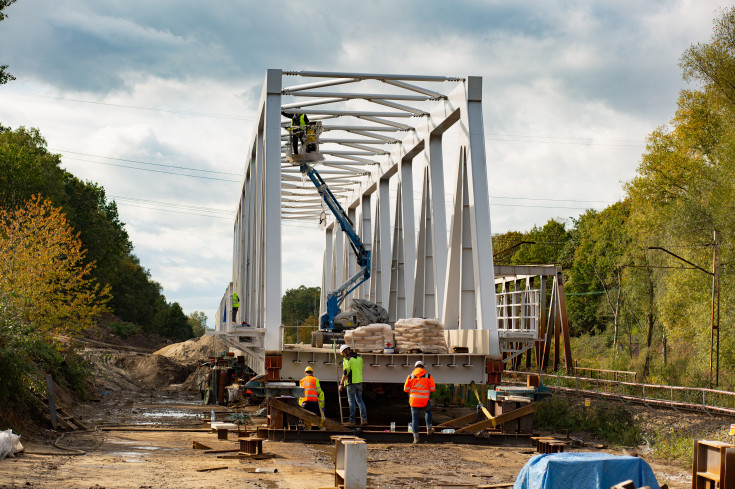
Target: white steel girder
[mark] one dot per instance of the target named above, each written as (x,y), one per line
(368,152)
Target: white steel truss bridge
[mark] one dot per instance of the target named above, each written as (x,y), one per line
(384,144)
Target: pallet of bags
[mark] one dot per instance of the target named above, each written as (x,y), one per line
(424,335)
(372,338)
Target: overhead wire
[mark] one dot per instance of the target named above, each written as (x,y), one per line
(126,106)
(143,162)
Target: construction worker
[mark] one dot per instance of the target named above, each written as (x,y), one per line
(352,380)
(298,129)
(313,395)
(235,305)
(419,386)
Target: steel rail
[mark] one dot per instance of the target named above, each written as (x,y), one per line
(643,399)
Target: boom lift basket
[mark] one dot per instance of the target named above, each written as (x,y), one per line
(308,144)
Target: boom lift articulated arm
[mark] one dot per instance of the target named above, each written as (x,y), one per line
(336,297)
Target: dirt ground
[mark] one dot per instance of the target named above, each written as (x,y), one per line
(116,456)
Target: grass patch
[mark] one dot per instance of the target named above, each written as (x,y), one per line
(611,422)
(671,446)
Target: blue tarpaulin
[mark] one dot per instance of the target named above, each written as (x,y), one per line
(579,470)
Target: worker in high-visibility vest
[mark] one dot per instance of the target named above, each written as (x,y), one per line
(313,394)
(419,386)
(235,305)
(352,381)
(298,129)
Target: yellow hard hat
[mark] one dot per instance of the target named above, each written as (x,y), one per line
(309,369)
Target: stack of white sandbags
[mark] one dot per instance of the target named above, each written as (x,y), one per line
(372,338)
(426,335)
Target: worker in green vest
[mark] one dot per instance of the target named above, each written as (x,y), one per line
(235,305)
(352,380)
(298,129)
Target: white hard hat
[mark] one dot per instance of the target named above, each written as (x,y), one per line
(419,364)
(343,348)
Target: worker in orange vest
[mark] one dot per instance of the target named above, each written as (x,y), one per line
(313,395)
(419,386)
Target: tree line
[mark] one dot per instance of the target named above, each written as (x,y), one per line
(642,275)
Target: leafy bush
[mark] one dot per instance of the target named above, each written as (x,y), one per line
(124,329)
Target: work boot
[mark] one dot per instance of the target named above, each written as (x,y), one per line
(415,439)
(430,430)
(350,424)
(364,422)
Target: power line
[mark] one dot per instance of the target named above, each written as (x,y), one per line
(143,162)
(151,170)
(125,204)
(125,106)
(523,138)
(551,200)
(172,205)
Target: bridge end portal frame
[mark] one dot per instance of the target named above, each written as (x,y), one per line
(383,146)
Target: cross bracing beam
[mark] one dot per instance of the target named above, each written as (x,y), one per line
(335,127)
(372,76)
(366,96)
(369,152)
(352,113)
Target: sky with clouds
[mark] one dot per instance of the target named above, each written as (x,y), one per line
(156,102)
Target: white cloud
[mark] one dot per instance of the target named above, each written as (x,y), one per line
(570,92)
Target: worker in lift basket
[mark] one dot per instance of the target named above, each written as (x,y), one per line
(352,380)
(313,395)
(419,386)
(298,129)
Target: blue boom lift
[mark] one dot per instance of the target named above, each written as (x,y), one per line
(334,321)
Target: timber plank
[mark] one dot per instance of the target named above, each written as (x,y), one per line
(305,415)
(503,418)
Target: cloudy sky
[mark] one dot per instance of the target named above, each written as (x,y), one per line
(156,101)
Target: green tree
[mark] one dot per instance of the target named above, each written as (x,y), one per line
(683,193)
(5,77)
(505,246)
(173,323)
(600,254)
(549,248)
(298,304)
(42,271)
(27,168)
(198,323)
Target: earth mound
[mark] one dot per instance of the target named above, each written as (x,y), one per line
(194,351)
(154,371)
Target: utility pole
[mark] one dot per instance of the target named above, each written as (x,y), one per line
(714,350)
(715,322)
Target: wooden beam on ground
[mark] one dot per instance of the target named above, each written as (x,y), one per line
(503,418)
(308,416)
(461,421)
